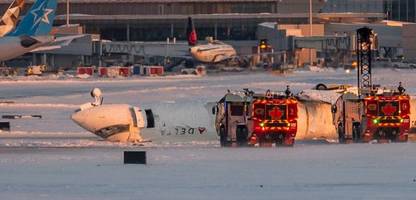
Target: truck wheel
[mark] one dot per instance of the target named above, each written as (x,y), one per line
(289,142)
(279,139)
(404,140)
(242,135)
(223,137)
(396,137)
(392,135)
(341,134)
(356,132)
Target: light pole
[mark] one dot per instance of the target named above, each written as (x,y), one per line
(310,29)
(67,12)
(310,17)
(277,6)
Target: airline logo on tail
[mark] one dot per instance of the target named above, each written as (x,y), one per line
(38,20)
(191,33)
(9,20)
(41,14)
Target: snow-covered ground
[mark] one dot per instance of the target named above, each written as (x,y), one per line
(52,158)
(307,171)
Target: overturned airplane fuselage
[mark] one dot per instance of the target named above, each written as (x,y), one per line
(113,122)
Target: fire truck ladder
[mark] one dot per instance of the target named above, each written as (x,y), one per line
(365,37)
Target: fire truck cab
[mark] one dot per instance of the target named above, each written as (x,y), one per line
(382,115)
(247,118)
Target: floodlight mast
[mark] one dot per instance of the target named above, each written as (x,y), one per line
(365,39)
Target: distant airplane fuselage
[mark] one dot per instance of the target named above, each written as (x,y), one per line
(32,31)
(14,46)
(212,52)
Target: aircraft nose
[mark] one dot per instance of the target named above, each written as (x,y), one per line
(78,117)
(192,50)
(84,120)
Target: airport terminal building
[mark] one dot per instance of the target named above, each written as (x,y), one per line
(236,21)
(398,10)
(155,20)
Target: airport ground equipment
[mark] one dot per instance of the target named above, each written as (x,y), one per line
(4,126)
(248,118)
(135,157)
(373,113)
(35,70)
(21,116)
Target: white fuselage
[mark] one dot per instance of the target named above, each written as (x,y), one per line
(12,47)
(212,52)
(113,122)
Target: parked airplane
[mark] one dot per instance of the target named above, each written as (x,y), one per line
(9,20)
(213,52)
(32,32)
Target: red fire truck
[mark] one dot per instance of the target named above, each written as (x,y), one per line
(372,113)
(247,118)
(383,116)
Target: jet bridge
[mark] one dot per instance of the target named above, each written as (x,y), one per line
(324,43)
(146,48)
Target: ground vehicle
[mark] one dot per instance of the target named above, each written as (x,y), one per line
(381,116)
(372,112)
(247,118)
(8,71)
(198,70)
(35,70)
(403,65)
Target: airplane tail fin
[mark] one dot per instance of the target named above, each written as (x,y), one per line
(38,20)
(191,33)
(9,20)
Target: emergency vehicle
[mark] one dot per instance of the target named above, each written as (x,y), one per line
(248,118)
(384,115)
(372,113)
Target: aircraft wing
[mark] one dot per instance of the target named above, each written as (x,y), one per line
(69,38)
(46,48)
(58,43)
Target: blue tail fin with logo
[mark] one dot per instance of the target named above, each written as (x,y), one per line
(38,20)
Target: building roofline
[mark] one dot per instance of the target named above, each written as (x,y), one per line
(220,16)
(144,1)
(351,15)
